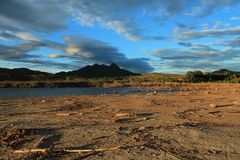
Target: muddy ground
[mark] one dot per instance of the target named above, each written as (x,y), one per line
(200,122)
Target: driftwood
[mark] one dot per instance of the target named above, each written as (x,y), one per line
(128,120)
(68,150)
(118,115)
(91,150)
(3,129)
(64,114)
(140,119)
(171,154)
(31,150)
(40,141)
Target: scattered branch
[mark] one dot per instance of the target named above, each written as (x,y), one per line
(31,151)
(91,150)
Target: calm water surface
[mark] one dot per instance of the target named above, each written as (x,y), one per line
(10,93)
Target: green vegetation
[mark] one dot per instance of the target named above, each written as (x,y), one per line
(157,77)
(222,75)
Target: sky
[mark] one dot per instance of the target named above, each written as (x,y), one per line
(143,36)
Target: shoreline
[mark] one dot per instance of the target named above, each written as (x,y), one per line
(59,84)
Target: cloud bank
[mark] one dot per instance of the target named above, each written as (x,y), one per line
(24,23)
(95,51)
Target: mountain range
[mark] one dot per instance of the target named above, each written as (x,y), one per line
(94,71)
(89,71)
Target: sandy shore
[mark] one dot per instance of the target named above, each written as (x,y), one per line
(200,123)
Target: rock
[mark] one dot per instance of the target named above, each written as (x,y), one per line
(69,102)
(213,151)
(43,101)
(142,148)
(236,102)
(213,105)
(155,92)
(141,128)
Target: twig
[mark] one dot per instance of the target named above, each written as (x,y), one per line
(91,150)
(64,114)
(128,120)
(170,153)
(140,119)
(40,141)
(3,129)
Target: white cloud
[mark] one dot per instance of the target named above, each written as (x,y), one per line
(71,50)
(49,16)
(204,8)
(55,55)
(235,18)
(120,15)
(219,24)
(27,36)
(198,56)
(196,34)
(123,28)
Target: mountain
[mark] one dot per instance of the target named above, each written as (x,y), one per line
(21,74)
(97,70)
(94,71)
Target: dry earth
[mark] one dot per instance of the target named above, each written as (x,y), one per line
(201,122)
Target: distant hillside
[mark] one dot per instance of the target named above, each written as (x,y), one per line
(97,70)
(108,73)
(94,71)
(225,72)
(21,74)
(222,75)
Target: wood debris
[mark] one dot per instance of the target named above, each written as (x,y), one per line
(64,114)
(31,150)
(92,150)
(124,115)
(44,150)
(40,141)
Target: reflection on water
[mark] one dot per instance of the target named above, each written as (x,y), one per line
(38,92)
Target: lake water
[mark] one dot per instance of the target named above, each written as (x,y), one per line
(10,93)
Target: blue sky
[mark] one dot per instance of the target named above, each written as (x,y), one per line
(140,35)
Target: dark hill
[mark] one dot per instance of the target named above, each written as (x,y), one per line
(225,72)
(97,70)
(94,71)
(21,74)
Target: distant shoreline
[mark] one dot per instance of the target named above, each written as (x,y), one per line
(72,84)
(100,84)
(47,84)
